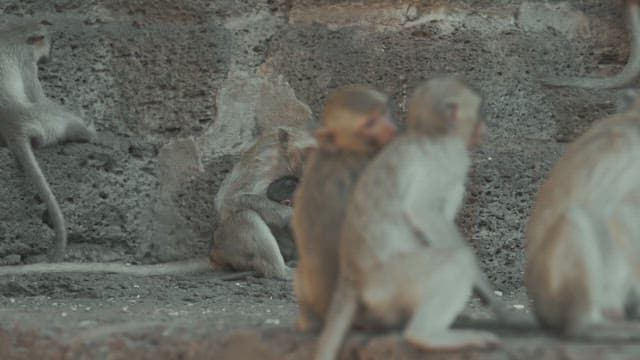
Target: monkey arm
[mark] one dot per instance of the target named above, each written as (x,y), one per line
(273,213)
(436,231)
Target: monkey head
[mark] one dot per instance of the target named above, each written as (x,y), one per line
(29,42)
(447,107)
(41,47)
(296,145)
(355,119)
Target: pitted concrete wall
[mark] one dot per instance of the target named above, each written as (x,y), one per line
(151,74)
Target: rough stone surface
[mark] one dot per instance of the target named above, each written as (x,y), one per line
(560,17)
(177,90)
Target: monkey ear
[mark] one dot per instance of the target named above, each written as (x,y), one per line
(327,140)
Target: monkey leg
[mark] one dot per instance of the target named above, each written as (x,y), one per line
(60,125)
(244,242)
(308,318)
(400,290)
(579,277)
(285,243)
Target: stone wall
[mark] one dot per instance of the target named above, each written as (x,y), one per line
(177,89)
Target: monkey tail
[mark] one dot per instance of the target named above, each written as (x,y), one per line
(340,316)
(23,151)
(624,77)
(190,266)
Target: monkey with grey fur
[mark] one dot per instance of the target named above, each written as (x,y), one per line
(28,119)
(254,231)
(254,204)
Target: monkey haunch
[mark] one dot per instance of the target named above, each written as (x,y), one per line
(355,125)
(28,119)
(583,237)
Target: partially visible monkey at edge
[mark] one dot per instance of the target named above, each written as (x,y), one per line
(630,70)
(29,120)
(403,261)
(583,237)
(355,124)
(248,216)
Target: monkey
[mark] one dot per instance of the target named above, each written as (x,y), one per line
(403,261)
(630,70)
(355,125)
(281,190)
(583,237)
(249,221)
(29,120)
(243,239)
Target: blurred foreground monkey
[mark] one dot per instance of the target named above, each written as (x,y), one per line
(630,70)
(403,261)
(355,125)
(583,237)
(244,238)
(28,119)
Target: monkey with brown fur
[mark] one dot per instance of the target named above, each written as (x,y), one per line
(583,237)
(251,222)
(403,261)
(28,119)
(355,124)
(630,70)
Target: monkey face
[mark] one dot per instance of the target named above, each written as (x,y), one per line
(41,47)
(376,129)
(357,133)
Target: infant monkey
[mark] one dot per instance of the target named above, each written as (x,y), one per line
(28,119)
(583,237)
(403,262)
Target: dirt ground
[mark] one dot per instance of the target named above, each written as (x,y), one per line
(152,73)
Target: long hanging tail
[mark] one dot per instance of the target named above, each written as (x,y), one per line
(24,153)
(340,316)
(624,77)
